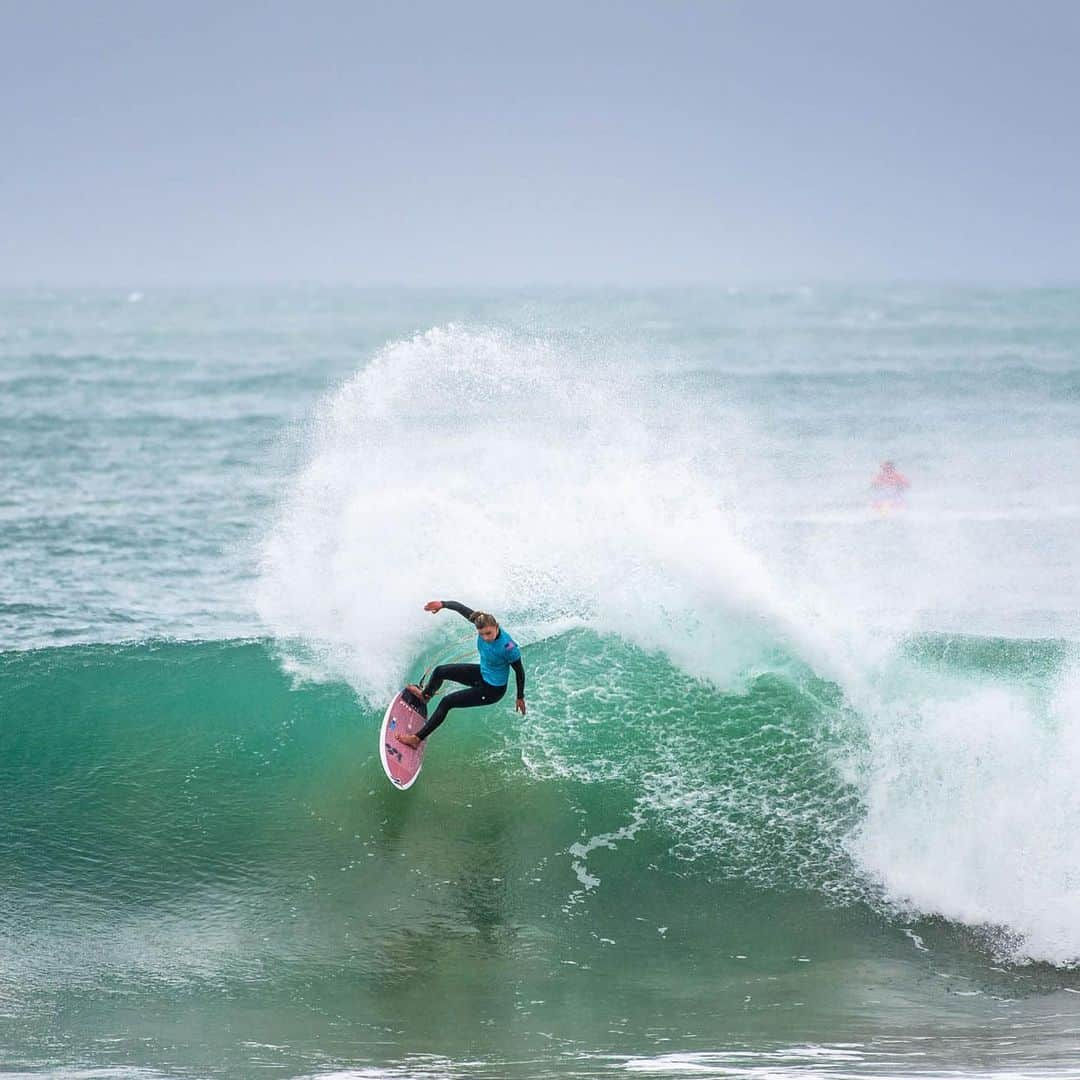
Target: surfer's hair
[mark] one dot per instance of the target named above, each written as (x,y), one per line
(482,618)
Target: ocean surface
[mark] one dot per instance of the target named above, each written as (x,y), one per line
(798,792)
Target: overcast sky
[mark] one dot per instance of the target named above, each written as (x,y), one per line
(460,143)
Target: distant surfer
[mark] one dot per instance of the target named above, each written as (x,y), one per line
(485,682)
(889,487)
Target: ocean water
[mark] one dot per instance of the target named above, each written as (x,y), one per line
(797,790)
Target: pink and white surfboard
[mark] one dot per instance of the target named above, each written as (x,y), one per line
(406,714)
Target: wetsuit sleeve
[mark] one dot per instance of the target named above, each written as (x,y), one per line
(461,609)
(519,675)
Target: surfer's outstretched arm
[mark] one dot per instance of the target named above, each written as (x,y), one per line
(453,605)
(519,678)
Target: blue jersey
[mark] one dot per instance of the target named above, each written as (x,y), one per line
(496,657)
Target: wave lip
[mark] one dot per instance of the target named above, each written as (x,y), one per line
(548,484)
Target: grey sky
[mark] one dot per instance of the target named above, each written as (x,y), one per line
(474,143)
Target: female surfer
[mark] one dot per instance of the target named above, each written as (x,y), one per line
(485,682)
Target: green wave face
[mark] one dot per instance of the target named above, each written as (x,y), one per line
(195,845)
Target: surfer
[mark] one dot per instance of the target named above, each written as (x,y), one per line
(889,487)
(485,682)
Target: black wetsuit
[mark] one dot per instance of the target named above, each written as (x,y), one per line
(479,692)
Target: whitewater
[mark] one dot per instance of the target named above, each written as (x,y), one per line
(796,791)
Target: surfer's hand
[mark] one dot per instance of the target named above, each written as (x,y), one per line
(520,706)
(433,606)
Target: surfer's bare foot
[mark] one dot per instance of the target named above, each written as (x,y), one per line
(416,691)
(408,740)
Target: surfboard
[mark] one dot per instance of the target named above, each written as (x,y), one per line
(401,763)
